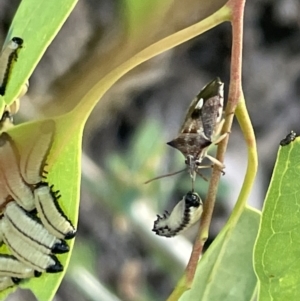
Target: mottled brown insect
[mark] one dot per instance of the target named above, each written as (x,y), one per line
(202,127)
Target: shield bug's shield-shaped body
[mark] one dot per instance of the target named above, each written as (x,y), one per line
(202,127)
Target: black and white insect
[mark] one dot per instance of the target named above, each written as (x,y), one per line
(8,56)
(201,129)
(53,218)
(186,213)
(290,137)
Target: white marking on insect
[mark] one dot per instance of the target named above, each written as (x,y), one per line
(186,213)
(199,104)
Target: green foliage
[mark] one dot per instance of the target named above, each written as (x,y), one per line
(276,254)
(37,23)
(225,272)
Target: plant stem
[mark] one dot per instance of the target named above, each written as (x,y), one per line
(237,12)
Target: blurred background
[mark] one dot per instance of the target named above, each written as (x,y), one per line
(116,255)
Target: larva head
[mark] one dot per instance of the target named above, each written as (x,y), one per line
(56,267)
(15,43)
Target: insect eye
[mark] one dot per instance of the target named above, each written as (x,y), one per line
(197,163)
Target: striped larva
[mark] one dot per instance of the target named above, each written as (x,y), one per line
(187,212)
(10,266)
(16,171)
(50,213)
(10,175)
(7,58)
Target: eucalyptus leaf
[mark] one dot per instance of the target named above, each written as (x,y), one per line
(226,270)
(64,170)
(37,22)
(277,249)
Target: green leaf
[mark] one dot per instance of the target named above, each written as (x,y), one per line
(37,23)
(64,158)
(64,170)
(276,254)
(226,272)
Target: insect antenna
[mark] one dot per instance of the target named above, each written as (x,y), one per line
(166,175)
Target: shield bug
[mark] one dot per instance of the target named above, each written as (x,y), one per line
(201,128)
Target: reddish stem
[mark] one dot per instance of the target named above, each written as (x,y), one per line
(237,8)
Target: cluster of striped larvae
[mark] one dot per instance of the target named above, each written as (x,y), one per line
(32,224)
